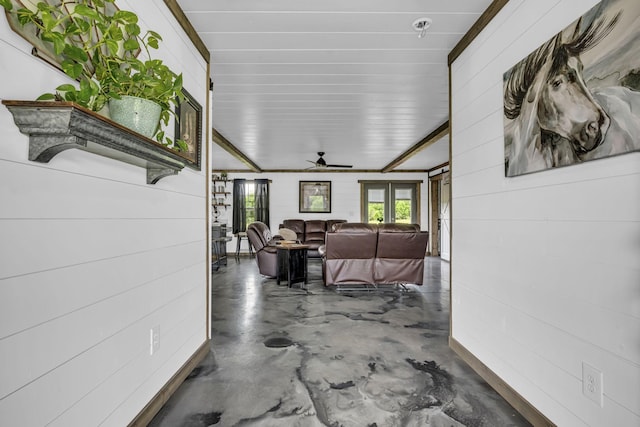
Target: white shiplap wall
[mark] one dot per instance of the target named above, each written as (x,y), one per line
(545,271)
(91,258)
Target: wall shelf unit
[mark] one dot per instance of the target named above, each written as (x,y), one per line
(219,193)
(54,126)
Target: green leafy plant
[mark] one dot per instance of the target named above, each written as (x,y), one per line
(98,45)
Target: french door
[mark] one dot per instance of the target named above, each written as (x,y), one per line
(389,201)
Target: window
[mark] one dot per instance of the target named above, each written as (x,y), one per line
(404,205)
(390,201)
(250,202)
(375,204)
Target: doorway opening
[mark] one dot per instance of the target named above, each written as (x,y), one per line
(440,190)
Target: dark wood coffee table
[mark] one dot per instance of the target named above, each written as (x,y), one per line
(292,263)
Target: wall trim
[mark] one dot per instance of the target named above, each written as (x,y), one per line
(150,410)
(514,398)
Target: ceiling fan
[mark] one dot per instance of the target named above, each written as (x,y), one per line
(321,163)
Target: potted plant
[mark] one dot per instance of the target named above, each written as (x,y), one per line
(98,45)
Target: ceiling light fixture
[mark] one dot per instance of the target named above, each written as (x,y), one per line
(421,25)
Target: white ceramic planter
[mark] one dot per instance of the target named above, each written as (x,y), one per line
(137,114)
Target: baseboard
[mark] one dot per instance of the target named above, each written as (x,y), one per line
(151,409)
(244,255)
(514,398)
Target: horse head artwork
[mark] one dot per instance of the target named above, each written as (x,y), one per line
(551,118)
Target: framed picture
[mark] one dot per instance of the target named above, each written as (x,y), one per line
(315,196)
(576,98)
(189,129)
(29,32)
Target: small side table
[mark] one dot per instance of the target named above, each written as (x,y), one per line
(292,263)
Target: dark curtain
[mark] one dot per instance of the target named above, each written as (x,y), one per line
(262,200)
(239,204)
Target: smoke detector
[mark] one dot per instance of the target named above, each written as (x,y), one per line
(421,25)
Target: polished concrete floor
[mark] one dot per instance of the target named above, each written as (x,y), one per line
(316,357)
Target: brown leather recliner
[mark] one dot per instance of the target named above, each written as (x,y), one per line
(349,254)
(259,236)
(400,254)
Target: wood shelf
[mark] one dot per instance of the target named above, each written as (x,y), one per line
(53,127)
(221,192)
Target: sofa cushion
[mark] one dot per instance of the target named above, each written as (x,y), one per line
(351,241)
(401,241)
(332,222)
(296,225)
(355,227)
(314,231)
(396,245)
(398,228)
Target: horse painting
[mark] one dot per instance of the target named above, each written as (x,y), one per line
(551,117)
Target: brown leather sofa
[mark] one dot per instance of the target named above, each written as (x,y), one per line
(260,238)
(371,254)
(311,232)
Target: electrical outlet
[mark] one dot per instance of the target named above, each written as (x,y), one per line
(154,339)
(592,383)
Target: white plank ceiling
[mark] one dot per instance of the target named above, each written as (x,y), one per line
(347,77)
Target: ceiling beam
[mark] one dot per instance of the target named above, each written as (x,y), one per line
(424,143)
(184,22)
(323,170)
(319,171)
(223,142)
(484,19)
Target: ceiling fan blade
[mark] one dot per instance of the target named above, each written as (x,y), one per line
(321,163)
(314,165)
